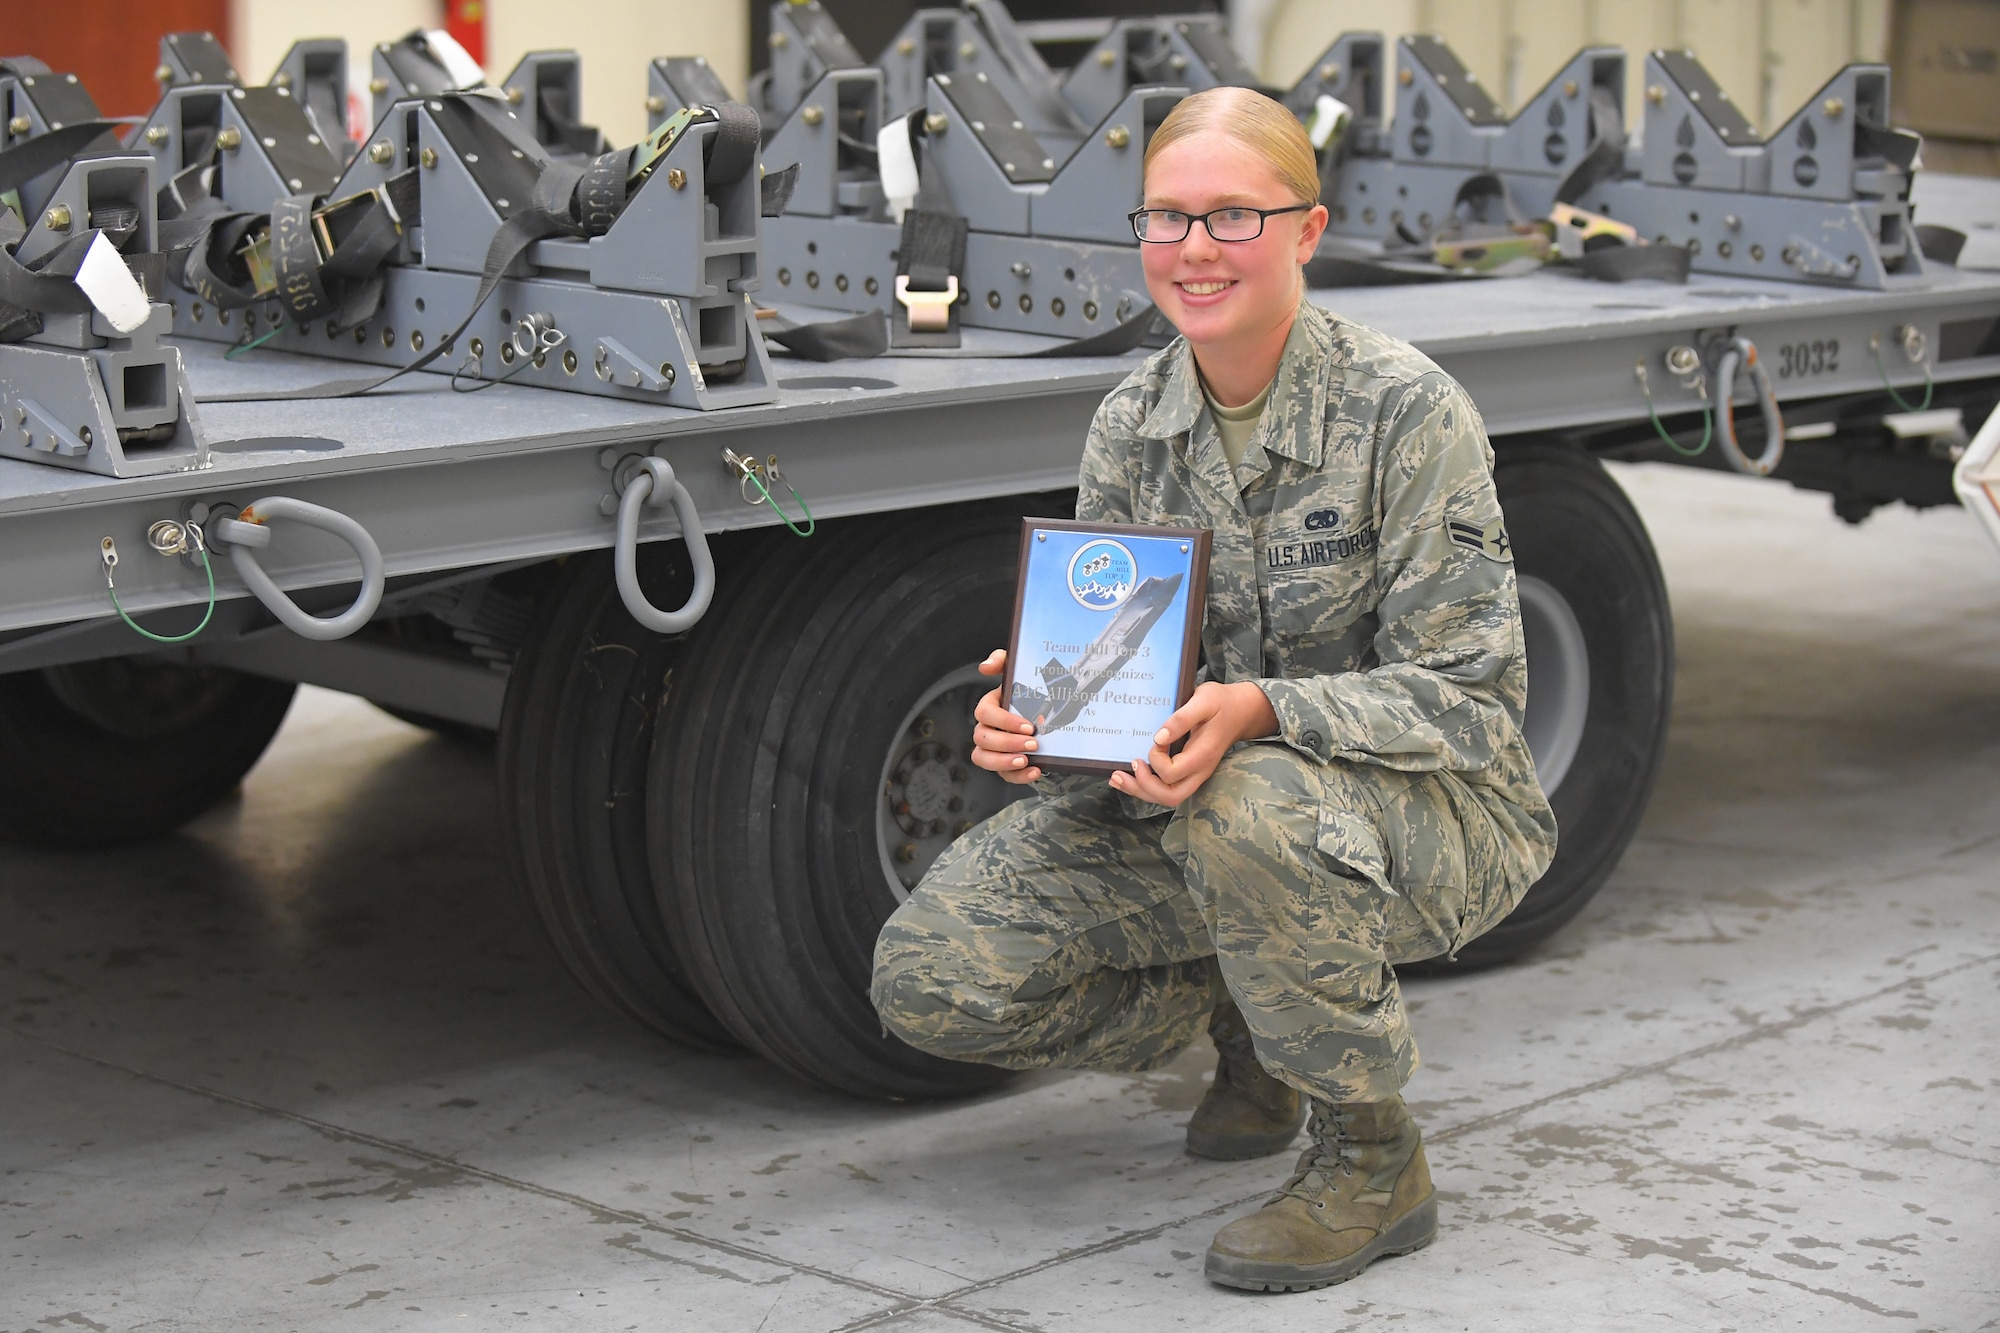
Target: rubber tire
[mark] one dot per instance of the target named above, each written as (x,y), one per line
(1572,526)
(575,737)
(94,778)
(767,767)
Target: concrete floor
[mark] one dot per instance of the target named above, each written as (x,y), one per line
(310,1065)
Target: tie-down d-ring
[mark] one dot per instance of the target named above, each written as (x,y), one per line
(244,533)
(1741,352)
(652,483)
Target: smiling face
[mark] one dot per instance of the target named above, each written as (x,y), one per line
(1226,297)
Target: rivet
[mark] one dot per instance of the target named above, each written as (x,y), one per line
(1118,136)
(935,123)
(1329,72)
(871,286)
(379,152)
(1656,94)
(1833,106)
(229,140)
(812,115)
(966,50)
(906,47)
(677,178)
(778,39)
(156,135)
(416,340)
(388,337)
(163,74)
(58,218)
(1757,252)
(1107,57)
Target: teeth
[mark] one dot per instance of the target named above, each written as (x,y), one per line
(1203,288)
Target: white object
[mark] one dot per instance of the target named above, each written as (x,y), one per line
(1977,476)
(1329,120)
(107,280)
(898,163)
(457,61)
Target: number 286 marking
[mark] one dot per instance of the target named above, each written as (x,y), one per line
(1818,357)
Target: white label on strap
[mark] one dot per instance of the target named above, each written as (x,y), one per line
(457,61)
(108,282)
(1329,119)
(898,165)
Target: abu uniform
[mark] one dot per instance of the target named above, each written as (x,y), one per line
(1360,574)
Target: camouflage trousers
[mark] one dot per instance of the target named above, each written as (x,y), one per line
(1068,931)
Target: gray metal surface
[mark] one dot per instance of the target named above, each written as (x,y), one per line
(442,486)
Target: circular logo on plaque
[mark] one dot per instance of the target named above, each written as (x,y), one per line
(1101,574)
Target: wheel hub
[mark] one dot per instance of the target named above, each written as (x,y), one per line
(1558,680)
(931,791)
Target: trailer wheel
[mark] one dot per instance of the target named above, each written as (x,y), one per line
(802,701)
(125,748)
(1600,675)
(575,735)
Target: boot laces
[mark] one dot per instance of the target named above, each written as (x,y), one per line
(1330,1152)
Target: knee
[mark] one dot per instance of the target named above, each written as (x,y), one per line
(1260,802)
(936,984)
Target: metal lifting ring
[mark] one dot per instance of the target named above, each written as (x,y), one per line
(1741,353)
(242,534)
(653,483)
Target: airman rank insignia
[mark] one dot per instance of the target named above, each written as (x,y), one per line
(1490,541)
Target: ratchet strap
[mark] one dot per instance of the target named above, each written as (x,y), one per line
(570,199)
(930,258)
(867,335)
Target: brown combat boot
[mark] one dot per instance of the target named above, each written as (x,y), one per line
(1245,1112)
(1362,1190)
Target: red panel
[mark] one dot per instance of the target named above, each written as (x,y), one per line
(465,20)
(112,45)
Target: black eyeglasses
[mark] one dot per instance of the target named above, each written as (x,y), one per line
(1164,226)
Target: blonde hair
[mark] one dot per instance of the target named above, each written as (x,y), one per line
(1271,133)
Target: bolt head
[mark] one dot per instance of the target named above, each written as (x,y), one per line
(381,152)
(1656,94)
(677,178)
(778,40)
(514,97)
(19,125)
(1569,87)
(58,218)
(935,122)
(812,115)
(907,853)
(229,140)
(378,86)
(655,105)
(428,157)
(163,74)
(1404,77)
(1118,136)
(1833,107)
(906,47)
(1329,72)
(281,80)
(1107,57)
(966,50)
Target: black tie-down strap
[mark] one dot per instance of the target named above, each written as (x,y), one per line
(569,200)
(867,335)
(930,263)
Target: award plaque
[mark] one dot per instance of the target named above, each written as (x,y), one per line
(1107,636)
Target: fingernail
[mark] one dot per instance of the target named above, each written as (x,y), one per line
(1019,760)
(1034,745)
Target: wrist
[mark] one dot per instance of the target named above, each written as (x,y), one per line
(1255,718)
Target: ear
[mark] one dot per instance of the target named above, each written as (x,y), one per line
(1310,231)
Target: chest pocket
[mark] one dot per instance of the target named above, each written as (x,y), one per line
(1316,568)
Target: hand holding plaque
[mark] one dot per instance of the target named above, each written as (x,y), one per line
(1106,638)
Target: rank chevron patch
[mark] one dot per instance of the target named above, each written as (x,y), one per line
(1490,541)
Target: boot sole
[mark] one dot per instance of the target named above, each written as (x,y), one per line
(1410,1233)
(1243,1147)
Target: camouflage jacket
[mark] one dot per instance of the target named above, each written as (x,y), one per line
(1361,573)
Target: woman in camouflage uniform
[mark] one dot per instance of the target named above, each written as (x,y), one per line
(1354,790)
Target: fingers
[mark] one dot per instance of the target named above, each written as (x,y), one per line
(1202,707)
(990,712)
(1003,741)
(1147,785)
(995,663)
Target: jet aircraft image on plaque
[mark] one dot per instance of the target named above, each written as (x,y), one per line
(1107,636)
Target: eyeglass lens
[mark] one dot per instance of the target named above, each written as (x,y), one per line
(1224,224)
